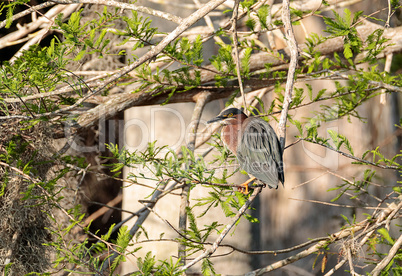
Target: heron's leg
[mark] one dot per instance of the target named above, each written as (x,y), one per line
(244,187)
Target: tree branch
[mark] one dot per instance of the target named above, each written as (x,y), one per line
(140,220)
(363,225)
(355,158)
(26,12)
(110,3)
(225,231)
(384,262)
(99,111)
(120,102)
(195,119)
(294,53)
(236,51)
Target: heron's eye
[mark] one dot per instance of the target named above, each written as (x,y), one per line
(230,115)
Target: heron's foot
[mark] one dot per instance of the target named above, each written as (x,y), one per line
(244,188)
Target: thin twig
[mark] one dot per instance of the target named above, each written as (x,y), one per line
(15,93)
(275,252)
(387,25)
(355,158)
(84,172)
(224,184)
(350,261)
(208,20)
(336,267)
(375,83)
(387,68)
(353,184)
(236,50)
(308,181)
(334,204)
(101,211)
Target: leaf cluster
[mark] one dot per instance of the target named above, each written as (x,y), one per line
(88,37)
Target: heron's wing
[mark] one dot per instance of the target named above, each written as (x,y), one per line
(259,152)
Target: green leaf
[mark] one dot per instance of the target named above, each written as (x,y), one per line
(385,234)
(262,14)
(347,52)
(80,55)
(245,62)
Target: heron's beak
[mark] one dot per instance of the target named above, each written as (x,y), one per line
(216,119)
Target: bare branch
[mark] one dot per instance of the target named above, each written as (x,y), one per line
(363,225)
(95,112)
(195,119)
(390,167)
(103,210)
(27,11)
(384,262)
(126,6)
(140,220)
(43,22)
(334,204)
(294,53)
(336,267)
(236,50)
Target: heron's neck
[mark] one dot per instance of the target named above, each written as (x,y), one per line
(231,136)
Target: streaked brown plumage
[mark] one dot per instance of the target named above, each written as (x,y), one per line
(255,145)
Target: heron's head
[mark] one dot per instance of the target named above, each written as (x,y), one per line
(229,116)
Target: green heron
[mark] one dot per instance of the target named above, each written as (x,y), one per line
(255,145)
